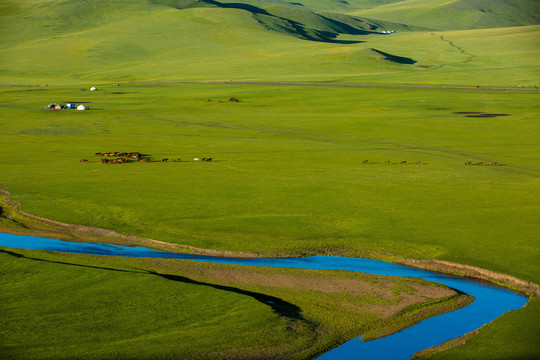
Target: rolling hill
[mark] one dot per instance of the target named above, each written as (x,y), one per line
(459,14)
(60,42)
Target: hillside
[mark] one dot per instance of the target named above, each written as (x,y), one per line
(262,40)
(459,14)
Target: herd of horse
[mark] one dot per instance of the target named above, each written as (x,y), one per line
(481,163)
(116,157)
(389,162)
(420,163)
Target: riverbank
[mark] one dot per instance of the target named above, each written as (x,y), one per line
(74,232)
(526,287)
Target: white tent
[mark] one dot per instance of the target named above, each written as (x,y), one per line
(93,88)
(70,105)
(81,107)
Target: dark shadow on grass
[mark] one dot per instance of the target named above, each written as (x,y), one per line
(281,307)
(282,24)
(346,28)
(395,58)
(21,256)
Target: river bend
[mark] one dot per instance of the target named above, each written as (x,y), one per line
(490,302)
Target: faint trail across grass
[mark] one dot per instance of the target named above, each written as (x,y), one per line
(460,50)
(329,83)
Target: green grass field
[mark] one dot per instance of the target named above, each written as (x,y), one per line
(288,176)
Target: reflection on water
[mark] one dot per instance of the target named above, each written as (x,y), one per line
(490,301)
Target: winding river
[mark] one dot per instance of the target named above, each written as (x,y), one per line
(490,301)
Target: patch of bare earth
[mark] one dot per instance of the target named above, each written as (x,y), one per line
(375,294)
(423,293)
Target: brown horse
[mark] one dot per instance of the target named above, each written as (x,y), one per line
(403,162)
(365,161)
(468,163)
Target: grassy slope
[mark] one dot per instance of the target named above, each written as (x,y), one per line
(458,14)
(159,42)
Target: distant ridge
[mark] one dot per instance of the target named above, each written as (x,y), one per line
(459,14)
(47,41)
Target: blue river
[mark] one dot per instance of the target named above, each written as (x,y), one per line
(490,302)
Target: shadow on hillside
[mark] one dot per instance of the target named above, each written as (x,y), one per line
(395,58)
(285,25)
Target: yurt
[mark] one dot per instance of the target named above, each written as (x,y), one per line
(93,88)
(70,106)
(81,107)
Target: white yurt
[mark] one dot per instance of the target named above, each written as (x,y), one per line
(93,88)
(81,107)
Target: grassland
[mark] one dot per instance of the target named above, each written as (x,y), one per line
(465,14)
(287,176)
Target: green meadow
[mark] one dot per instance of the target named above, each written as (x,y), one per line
(296,169)
(288,176)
